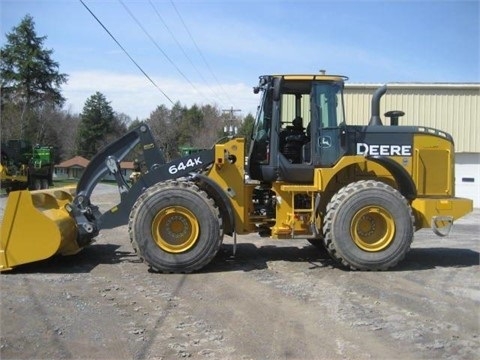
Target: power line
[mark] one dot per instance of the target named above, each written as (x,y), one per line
(199,51)
(159,48)
(183,51)
(125,51)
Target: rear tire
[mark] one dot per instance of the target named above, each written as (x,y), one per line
(175,227)
(368,226)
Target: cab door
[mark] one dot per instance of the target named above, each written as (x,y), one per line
(328,128)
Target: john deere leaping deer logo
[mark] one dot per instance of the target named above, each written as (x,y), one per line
(326,141)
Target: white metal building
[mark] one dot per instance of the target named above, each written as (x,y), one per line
(453,108)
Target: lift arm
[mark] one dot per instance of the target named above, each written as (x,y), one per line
(88,217)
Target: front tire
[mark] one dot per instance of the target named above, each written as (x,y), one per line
(175,227)
(368,226)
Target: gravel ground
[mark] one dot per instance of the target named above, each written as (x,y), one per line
(276,299)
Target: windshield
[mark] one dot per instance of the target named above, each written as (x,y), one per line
(327,104)
(261,130)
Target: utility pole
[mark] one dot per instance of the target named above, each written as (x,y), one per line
(229,128)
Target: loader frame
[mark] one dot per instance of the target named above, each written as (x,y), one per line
(358,191)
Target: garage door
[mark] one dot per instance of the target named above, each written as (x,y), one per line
(467,177)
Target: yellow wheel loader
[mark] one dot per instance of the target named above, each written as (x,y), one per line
(359,191)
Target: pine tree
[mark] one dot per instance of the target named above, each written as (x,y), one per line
(96,124)
(30,78)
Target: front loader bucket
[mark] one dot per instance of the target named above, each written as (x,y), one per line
(36,226)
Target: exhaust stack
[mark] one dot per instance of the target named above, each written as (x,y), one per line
(377,95)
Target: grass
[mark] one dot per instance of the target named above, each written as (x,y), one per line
(62,183)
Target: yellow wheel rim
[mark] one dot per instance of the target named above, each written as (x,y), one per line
(175,229)
(373,229)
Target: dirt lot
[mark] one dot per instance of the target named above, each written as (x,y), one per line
(274,300)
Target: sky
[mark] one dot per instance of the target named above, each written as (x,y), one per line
(213,51)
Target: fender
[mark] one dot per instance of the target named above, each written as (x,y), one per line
(221,200)
(404,180)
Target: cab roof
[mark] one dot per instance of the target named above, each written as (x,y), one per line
(310,77)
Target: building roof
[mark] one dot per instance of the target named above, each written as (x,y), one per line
(80,161)
(126,165)
(417,85)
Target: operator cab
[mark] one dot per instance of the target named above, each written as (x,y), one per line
(299,126)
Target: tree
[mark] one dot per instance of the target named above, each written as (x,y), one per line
(30,79)
(133,124)
(159,122)
(120,126)
(214,122)
(97,126)
(198,127)
(66,127)
(190,125)
(246,129)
